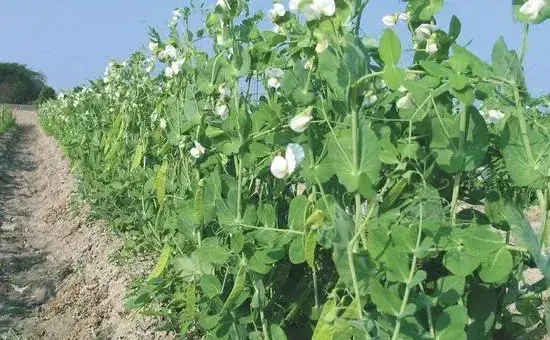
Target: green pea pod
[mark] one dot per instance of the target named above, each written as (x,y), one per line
(160,183)
(199,202)
(314,219)
(191,300)
(311,243)
(238,287)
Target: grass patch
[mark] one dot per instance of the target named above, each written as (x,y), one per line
(7,119)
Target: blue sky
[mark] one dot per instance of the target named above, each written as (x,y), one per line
(71,41)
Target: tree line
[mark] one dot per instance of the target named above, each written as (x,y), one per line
(20,84)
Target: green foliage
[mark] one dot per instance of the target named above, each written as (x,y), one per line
(369,236)
(7,119)
(22,85)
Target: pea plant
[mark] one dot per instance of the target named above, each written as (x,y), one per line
(302,182)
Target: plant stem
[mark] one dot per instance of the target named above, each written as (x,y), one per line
(238,169)
(411,276)
(524,43)
(464,119)
(544,217)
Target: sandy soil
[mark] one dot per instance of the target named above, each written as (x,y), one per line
(57,276)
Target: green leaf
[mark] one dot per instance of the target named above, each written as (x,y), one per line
(435,69)
(385,300)
(449,290)
(325,328)
(310,245)
(460,262)
(296,251)
(393,76)
(525,236)
(455,28)
(277,332)
(451,323)
(390,48)
(366,175)
(497,267)
(523,171)
(482,315)
(506,64)
(445,142)
(211,286)
(297,212)
(214,254)
(430,9)
(333,71)
(162,261)
(481,240)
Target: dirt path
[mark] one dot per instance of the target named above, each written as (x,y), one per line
(57,276)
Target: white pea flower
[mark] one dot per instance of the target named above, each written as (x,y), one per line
(294,5)
(405,16)
(301,121)
(278,11)
(390,20)
(176,15)
(370,98)
(174,68)
(274,77)
(532,8)
(197,151)
(224,91)
(153,46)
(309,64)
(327,7)
(425,31)
(492,116)
(321,46)
(282,167)
(222,111)
(318,8)
(405,102)
(223,4)
(171,52)
(163,123)
(431,46)
(277,29)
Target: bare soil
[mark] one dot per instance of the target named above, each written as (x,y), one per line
(58,279)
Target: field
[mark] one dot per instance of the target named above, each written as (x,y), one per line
(307,182)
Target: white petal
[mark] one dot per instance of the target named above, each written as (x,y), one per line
(405,16)
(195,153)
(153,46)
(294,156)
(199,147)
(312,12)
(532,8)
(223,4)
(389,20)
(222,111)
(274,73)
(294,5)
(321,46)
(405,102)
(327,7)
(279,167)
(425,31)
(171,51)
(273,83)
(431,47)
(300,122)
(168,72)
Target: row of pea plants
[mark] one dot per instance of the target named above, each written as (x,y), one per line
(300,182)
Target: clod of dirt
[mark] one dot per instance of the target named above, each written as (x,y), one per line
(57,280)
